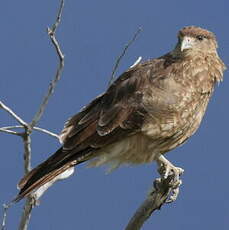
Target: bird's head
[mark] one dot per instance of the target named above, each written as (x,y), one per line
(192,40)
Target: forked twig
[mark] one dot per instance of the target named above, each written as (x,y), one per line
(27,140)
(51,32)
(29,127)
(8,129)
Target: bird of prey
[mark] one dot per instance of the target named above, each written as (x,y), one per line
(149,110)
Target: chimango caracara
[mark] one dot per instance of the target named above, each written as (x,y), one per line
(149,110)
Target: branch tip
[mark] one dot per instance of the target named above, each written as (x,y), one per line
(51,32)
(122,55)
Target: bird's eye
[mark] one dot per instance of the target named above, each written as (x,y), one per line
(200,37)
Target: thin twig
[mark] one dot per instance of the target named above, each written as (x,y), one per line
(7,129)
(47,132)
(122,55)
(13,114)
(10,132)
(59,15)
(13,127)
(155,199)
(51,33)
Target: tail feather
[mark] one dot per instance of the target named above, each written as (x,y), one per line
(47,171)
(25,191)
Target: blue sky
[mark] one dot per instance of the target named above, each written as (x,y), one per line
(92,34)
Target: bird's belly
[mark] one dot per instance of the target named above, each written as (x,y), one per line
(136,149)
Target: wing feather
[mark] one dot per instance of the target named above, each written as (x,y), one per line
(108,114)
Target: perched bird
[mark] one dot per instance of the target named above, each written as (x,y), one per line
(149,110)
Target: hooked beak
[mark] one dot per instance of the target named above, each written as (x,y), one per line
(186,43)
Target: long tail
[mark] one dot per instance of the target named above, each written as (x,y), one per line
(45,172)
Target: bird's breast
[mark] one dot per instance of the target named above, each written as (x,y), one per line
(174,124)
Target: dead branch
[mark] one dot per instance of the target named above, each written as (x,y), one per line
(27,140)
(27,210)
(13,114)
(8,129)
(46,132)
(158,196)
(52,34)
(27,151)
(29,127)
(10,132)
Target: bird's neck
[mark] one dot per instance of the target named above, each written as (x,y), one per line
(195,61)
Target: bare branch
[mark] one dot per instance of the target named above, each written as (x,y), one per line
(122,55)
(59,15)
(13,114)
(10,132)
(27,151)
(26,137)
(29,204)
(156,198)
(7,129)
(13,127)
(27,167)
(47,132)
(52,86)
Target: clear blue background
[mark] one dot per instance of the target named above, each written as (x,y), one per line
(92,34)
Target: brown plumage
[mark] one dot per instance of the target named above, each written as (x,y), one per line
(149,110)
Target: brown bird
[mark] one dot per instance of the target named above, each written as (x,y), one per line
(149,110)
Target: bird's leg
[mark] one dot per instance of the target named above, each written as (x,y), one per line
(167,169)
